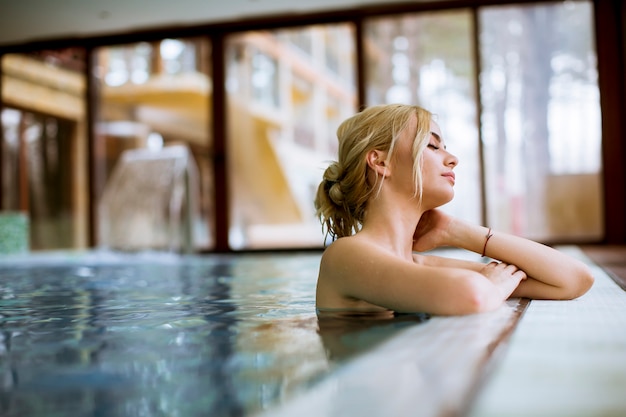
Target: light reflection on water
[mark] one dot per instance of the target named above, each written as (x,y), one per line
(135,336)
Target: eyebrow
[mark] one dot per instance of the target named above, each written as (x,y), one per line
(438,139)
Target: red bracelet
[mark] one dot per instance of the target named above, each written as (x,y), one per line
(489,234)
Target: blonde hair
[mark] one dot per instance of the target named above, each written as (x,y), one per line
(342,196)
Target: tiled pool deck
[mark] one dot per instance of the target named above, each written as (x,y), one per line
(565,358)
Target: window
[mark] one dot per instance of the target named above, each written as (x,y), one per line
(154,175)
(287,92)
(526,128)
(541,121)
(44,145)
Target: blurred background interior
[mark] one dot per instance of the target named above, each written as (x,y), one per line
(204,126)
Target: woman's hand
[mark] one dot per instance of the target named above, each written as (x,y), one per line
(504,276)
(432,231)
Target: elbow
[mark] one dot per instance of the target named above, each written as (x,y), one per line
(482,303)
(480,298)
(582,280)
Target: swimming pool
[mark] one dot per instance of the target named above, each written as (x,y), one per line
(155,334)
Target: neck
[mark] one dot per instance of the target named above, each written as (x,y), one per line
(391,222)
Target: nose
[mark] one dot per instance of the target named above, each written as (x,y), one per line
(451,160)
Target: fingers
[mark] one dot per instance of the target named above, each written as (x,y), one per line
(515,271)
(520,274)
(510,269)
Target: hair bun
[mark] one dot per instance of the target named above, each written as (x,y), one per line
(333,172)
(336,194)
(332,183)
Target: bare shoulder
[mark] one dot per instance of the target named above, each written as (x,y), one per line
(346,265)
(348,247)
(340,255)
(352,252)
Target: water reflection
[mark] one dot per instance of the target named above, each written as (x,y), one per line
(218,336)
(346,335)
(62,322)
(211,300)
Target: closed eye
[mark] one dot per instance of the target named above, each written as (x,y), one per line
(437,139)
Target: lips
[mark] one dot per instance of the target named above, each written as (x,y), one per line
(451,176)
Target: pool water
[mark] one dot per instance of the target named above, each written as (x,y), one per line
(153,334)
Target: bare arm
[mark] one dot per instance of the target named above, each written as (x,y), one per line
(353,270)
(551,274)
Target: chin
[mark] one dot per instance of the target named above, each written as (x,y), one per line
(438,200)
(445,199)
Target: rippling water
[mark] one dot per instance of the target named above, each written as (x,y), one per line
(162,335)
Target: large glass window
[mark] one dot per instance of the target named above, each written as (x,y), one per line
(287,92)
(44,147)
(541,121)
(427,59)
(154,177)
(529,165)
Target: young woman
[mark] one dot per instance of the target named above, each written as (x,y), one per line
(379,202)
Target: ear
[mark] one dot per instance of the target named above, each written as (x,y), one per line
(377,161)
